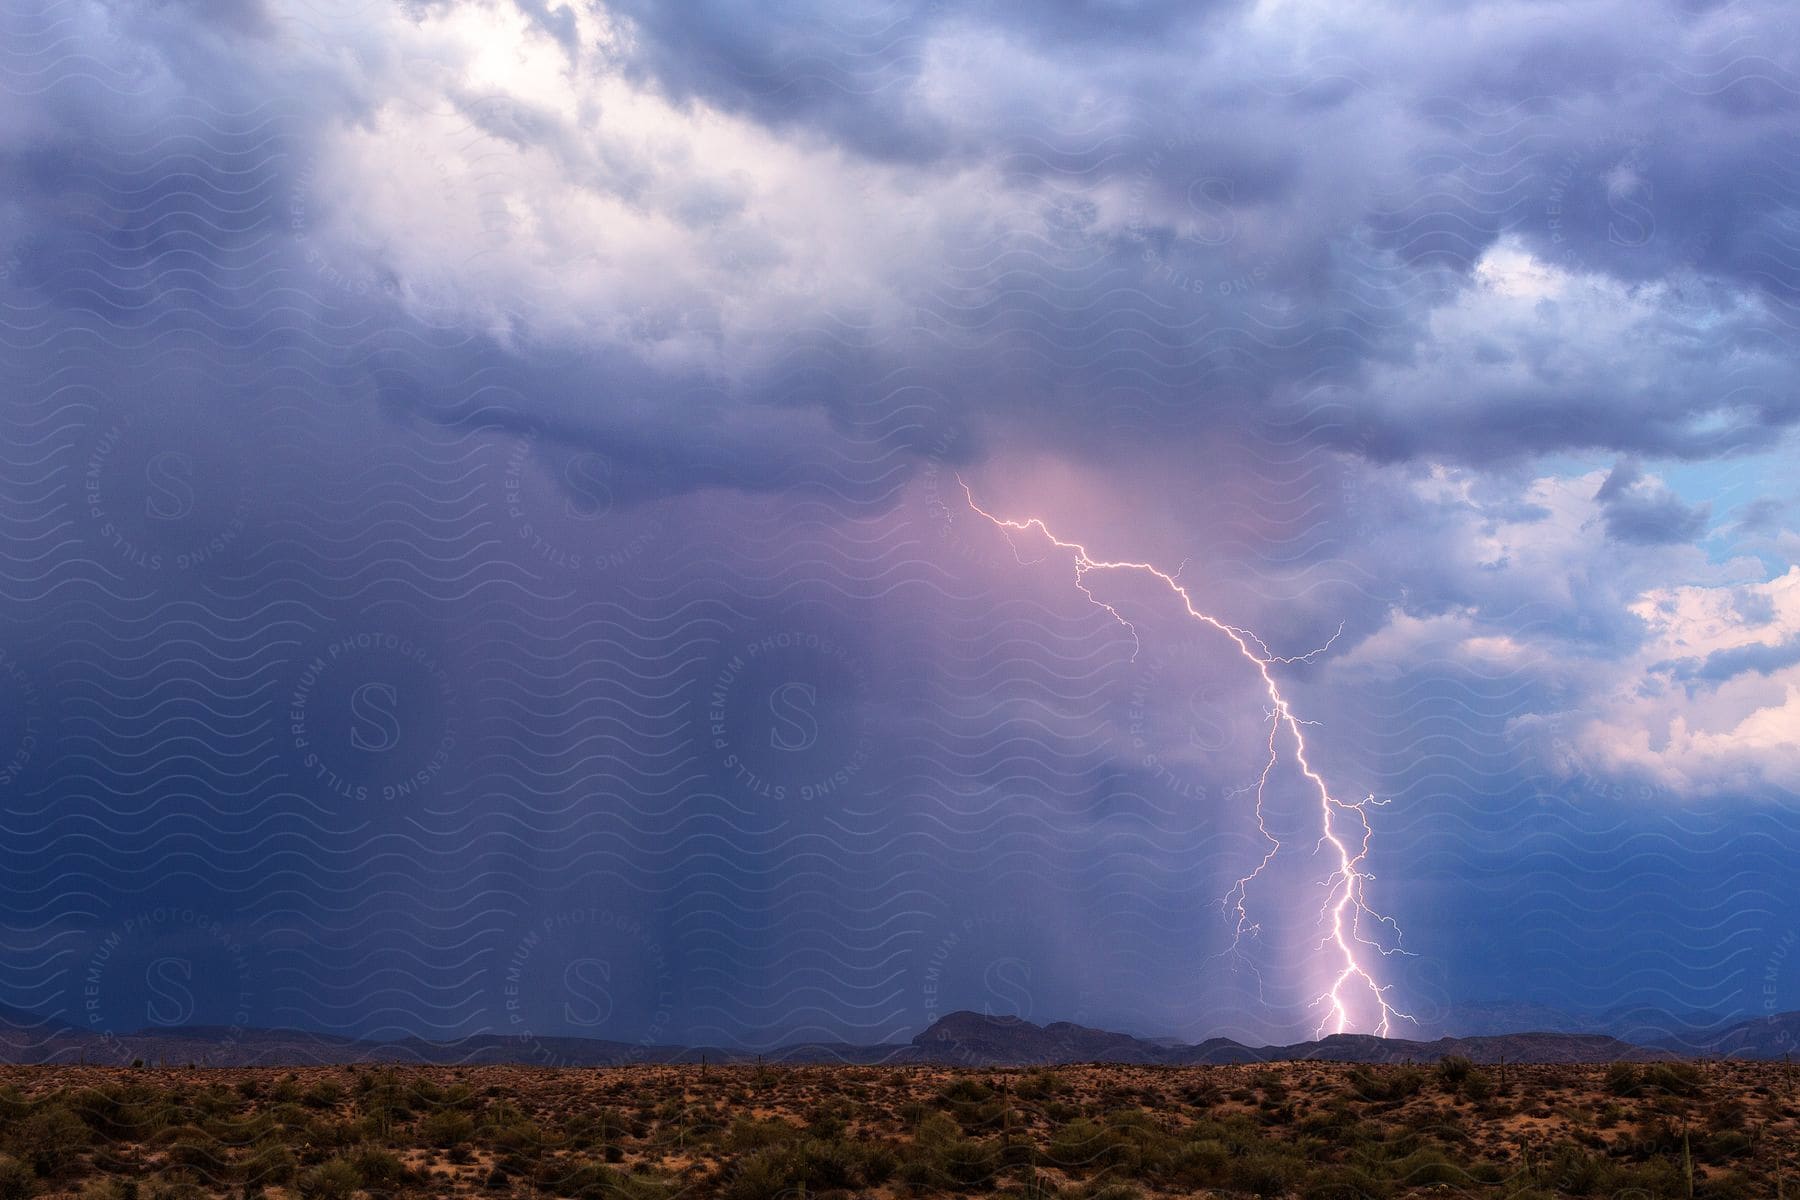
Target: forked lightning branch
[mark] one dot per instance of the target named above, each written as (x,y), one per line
(1348,920)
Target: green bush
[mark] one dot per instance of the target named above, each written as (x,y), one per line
(1084,1145)
(1453,1069)
(1390,1085)
(177,1185)
(969,1164)
(50,1141)
(591,1181)
(447,1128)
(17,1180)
(820,1166)
(1623,1079)
(1114,1191)
(1265,1173)
(751,1133)
(1040,1085)
(918,1175)
(1201,1164)
(966,1090)
(1344,1183)
(381,1171)
(1732,1143)
(1427,1167)
(268,1164)
(196,1150)
(337,1179)
(1677,1079)
(326,1093)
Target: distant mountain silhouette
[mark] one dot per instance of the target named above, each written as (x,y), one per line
(1759,1037)
(960,1038)
(978,1039)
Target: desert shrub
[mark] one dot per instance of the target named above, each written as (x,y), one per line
(829,1165)
(1040,1085)
(381,1171)
(517,1137)
(937,1129)
(1111,1191)
(1623,1079)
(1657,1135)
(969,1164)
(326,1093)
(337,1179)
(1578,1173)
(1452,1069)
(828,1121)
(751,1133)
(820,1166)
(1344,1183)
(330,1135)
(1728,1144)
(50,1141)
(1203,1094)
(1200,1164)
(591,1181)
(1084,1144)
(17,1180)
(1337,1122)
(196,1150)
(268,1164)
(1729,1185)
(176,1185)
(1427,1167)
(111,1189)
(962,1089)
(447,1127)
(878,1165)
(1265,1173)
(1269,1084)
(918,1175)
(1677,1079)
(1726,1114)
(107,1111)
(1143,1145)
(1390,1086)
(215,1101)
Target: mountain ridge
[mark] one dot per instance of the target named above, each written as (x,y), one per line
(960,1038)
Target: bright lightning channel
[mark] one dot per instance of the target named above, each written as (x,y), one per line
(1346,912)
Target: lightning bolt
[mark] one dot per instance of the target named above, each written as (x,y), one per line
(1346,914)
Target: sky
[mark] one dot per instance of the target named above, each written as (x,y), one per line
(517,516)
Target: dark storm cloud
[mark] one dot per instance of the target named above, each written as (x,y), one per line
(1721,665)
(1645,512)
(847,71)
(1346,214)
(1762,515)
(1132,226)
(1150,250)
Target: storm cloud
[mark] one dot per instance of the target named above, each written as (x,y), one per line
(485,497)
